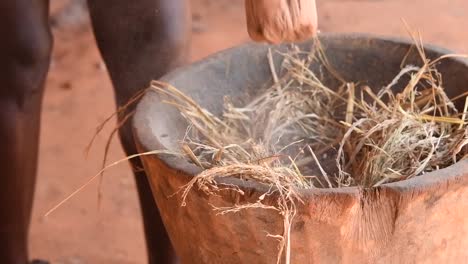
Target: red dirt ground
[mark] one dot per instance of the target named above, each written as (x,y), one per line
(79,97)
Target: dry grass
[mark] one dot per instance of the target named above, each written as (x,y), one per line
(299,122)
(401,135)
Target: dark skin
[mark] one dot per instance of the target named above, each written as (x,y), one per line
(139,40)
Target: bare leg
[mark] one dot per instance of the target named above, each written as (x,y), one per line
(24,62)
(141,40)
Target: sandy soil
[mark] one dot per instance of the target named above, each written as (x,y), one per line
(79,97)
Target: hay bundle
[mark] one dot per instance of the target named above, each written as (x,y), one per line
(281,138)
(393,136)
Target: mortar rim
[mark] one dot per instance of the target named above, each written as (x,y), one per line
(147,141)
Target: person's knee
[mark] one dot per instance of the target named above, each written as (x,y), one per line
(25,63)
(141,34)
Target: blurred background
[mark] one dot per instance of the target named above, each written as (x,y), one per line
(79,97)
